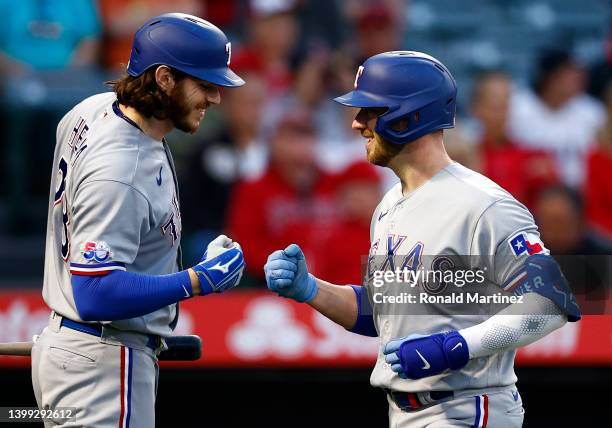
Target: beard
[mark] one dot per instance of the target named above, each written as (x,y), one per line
(381,152)
(179,110)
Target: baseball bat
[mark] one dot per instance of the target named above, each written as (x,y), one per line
(16,348)
(180,348)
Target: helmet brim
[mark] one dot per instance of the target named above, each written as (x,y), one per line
(219,76)
(359,98)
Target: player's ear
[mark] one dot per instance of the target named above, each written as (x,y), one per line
(164,78)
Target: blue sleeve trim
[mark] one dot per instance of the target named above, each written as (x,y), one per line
(365,319)
(122,295)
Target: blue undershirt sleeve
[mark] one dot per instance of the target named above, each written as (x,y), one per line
(365,319)
(122,295)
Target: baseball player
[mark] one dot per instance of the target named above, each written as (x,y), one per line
(113,276)
(446,368)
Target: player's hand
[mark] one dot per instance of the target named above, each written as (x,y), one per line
(418,356)
(287,274)
(221,266)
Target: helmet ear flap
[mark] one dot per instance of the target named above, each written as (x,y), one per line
(405,123)
(395,134)
(400,124)
(396,125)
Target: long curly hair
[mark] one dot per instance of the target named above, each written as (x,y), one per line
(143,93)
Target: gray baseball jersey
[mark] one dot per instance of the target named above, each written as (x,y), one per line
(113,205)
(460,213)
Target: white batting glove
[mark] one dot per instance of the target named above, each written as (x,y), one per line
(219,245)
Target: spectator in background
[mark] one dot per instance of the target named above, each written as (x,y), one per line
(559,116)
(354,9)
(323,74)
(560,218)
(235,153)
(598,188)
(47,35)
(346,248)
(48,61)
(322,23)
(292,200)
(461,147)
(123,17)
(377,30)
(225,14)
(378,27)
(520,170)
(270,42)
(583,256)
(600,74)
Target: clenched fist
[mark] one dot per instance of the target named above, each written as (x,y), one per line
(287,274)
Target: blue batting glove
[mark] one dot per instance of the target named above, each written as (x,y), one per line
(418,356)
(221,267)
(287,274)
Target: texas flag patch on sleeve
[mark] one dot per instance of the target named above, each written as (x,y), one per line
(526,243)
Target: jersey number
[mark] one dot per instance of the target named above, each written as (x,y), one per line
(60,198)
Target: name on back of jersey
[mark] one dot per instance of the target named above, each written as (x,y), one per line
(77,140)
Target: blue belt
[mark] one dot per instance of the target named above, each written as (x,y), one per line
(410,401)
(153,342)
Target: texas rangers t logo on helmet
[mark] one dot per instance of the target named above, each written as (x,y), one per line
(358,75)
(228,50)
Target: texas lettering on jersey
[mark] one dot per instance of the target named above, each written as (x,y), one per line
(172,227)
(395,257)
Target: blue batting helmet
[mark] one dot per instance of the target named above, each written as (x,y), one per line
(186,43)
(413,86)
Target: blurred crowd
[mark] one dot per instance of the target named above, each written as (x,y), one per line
(277,161)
